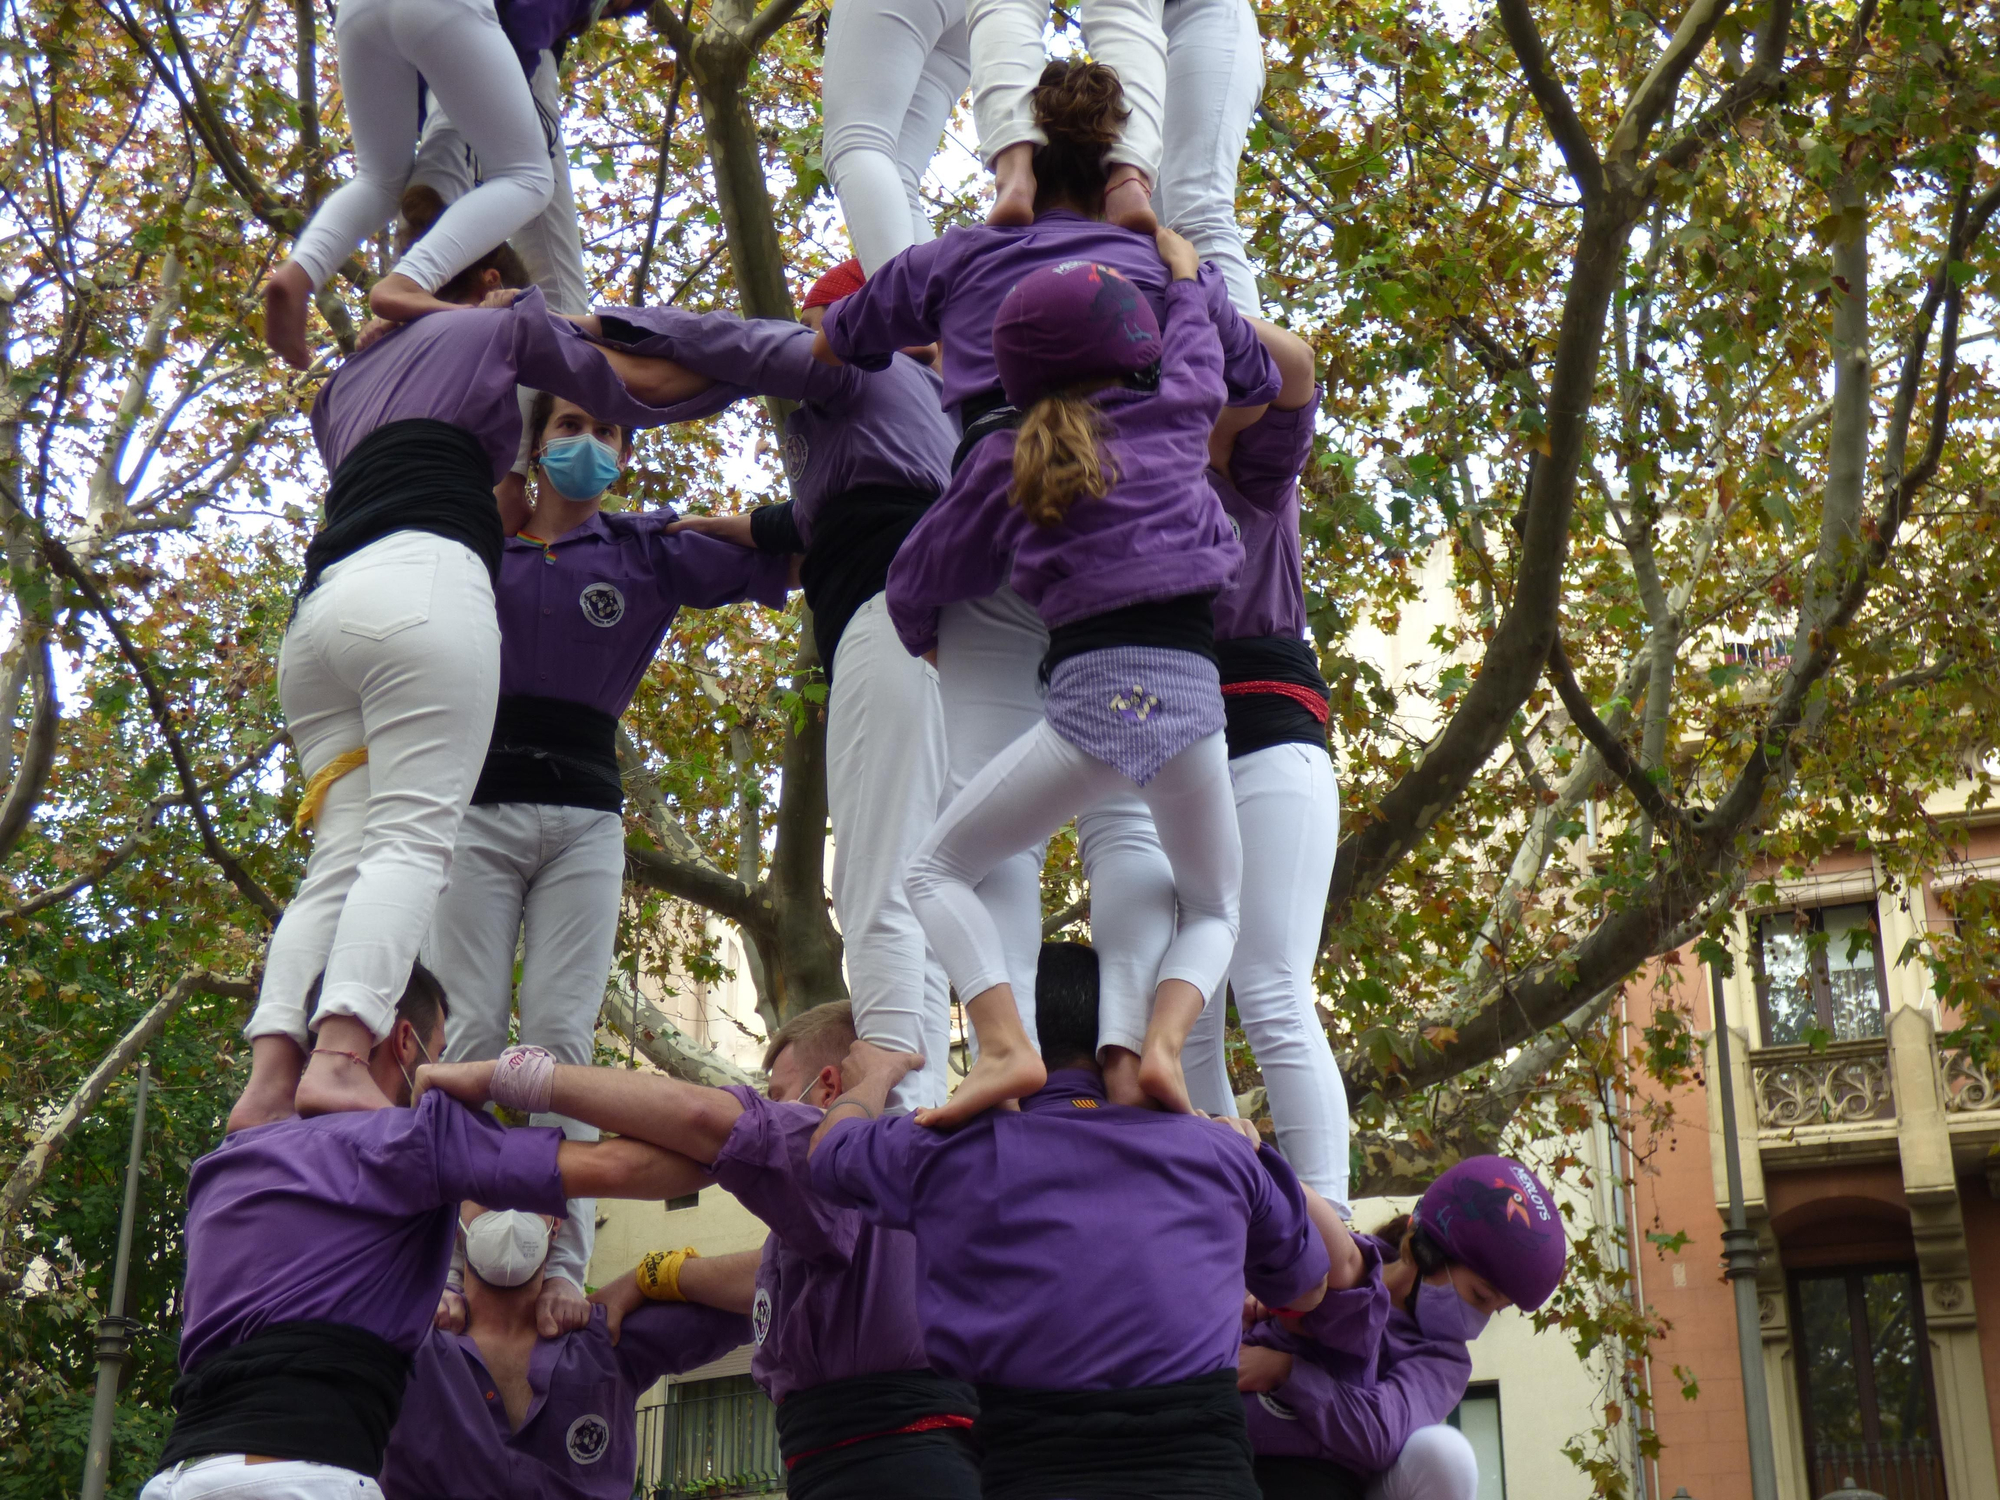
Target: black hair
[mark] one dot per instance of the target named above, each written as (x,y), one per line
(1066,1004)
(1430,1256)
(423,1003)
(1080,106)
(421,208)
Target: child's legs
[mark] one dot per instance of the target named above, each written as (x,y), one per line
(1289,811)
(876,54)
(1195,813)
(885,767)
(418,643)
(380,87)
(1131,912)
(1128,37)
(550,247)
(474,929)
(1215,76)
(1005,38)
(940,86)
(987,654)
(324,719)
(1205,1061)
(472,71)
(1024,794)
(1437,1463)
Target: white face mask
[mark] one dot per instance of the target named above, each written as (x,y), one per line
(505,1247)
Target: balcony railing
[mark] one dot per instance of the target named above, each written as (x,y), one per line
(1969,1088)
(1898,1471)
(711,1439)
(1848,1083)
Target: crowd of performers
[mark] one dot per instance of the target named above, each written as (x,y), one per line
(1045,511)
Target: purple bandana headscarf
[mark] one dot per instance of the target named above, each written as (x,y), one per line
(1493,1214)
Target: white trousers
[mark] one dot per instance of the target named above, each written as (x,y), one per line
(548,880)
(1008,58)
(1437,1463)
(398,650)
(1215,78)
(549,245)
(885,770)
(988,654)
(228,1477)
(892,73)
(1288,811)
(1027,792)
(459,50)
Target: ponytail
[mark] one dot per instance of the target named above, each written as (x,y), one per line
(421,208)
(1056,458)
(1080,107)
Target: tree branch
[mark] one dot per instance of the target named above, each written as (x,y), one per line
(37,758)
(1655,94)
(1077,911)
(1617,759)
(666,1046)
(1762,80)
(1579,155)
(769,19)
(645,270)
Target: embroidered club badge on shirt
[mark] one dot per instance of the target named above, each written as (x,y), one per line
(1135,704)
(602,605)
(1275,1407)
(760,1315)
(793,454)
(589,1439)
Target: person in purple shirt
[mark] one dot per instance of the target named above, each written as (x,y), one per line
(316,1250)
(584,600)
(1350,1400)
(497,1411)
(866,453)
(1099,518)
(1084,1262)
(861,1414)
(1287,805)
(390,666)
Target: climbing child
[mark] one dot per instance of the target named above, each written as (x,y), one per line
(1117,541)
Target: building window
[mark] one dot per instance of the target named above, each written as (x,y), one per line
(1865,1383)
(1820,974)
(710,1438)
(1478,1417)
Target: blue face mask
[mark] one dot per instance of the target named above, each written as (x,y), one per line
(1444,1315)
(580,467)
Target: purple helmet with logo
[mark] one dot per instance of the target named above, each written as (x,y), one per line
(1070,323)
(1494,1215)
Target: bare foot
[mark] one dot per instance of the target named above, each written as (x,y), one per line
(1014,185)
(999,1078)
(286,297)
(336,1078)
(1177,1005)
(1128,201)
(275,1065)
(1121,1078)
(1161,1077)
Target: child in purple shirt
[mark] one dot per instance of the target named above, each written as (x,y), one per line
(1099,518)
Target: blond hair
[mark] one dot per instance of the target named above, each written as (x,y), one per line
(1057,461)
(822,1035)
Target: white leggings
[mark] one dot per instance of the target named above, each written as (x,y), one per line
(1437,1463)
(1031,789)
(459,50)
(892,72)
(1008,57)
(1215,76)
(988,653)
(397,650)
(1289,812)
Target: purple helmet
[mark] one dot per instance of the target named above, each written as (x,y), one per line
(1069,323)
(1493,1214)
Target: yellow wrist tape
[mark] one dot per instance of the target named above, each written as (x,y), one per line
(659,1274)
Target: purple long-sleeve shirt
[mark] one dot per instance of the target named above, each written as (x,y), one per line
(579,1439)
(950,289)
(462,367)
(1079,1244)
(1261,495)
(852,427)
(582,616)
(1157,533)
(836,1294)
(1364,1377)
(347,1218)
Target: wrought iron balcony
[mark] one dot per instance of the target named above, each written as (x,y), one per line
(1969,1086)
(711,1439)
(1845,1084)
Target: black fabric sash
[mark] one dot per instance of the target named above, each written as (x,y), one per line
(822,1418)
(327,1393)
(855,538)
(553,753)
(1185,1441)
(1256,721)
(979,416)
(1306,1479)
(1184,623)
(415,475)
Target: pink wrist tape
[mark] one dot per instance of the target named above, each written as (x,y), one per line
(524,1079)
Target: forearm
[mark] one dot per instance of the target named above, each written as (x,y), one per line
(657,382)
(866,1100)
(623,1168)
(725,1281)
(1344,1260)
(682,1117)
